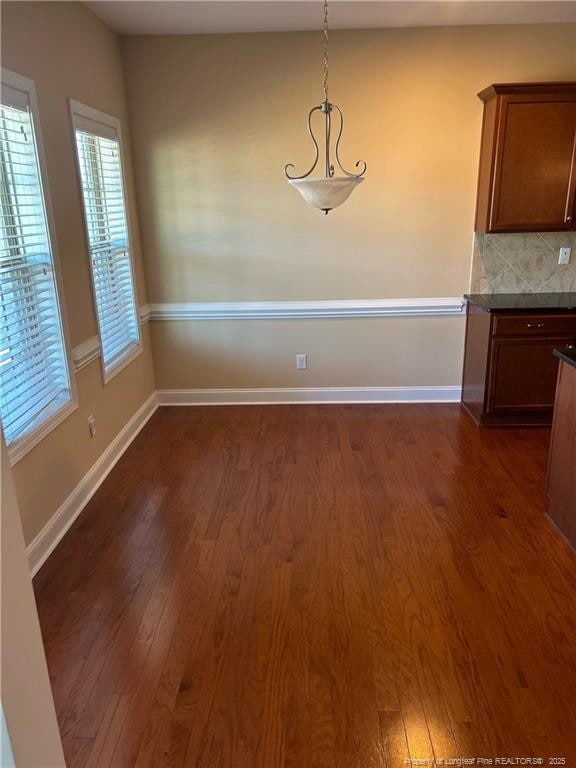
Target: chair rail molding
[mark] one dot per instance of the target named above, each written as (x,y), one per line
(144,314)
(86,353)
(263,310)
(89,350)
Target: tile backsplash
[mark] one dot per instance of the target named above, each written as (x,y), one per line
(522,263)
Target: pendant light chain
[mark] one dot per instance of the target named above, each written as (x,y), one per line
(325,32)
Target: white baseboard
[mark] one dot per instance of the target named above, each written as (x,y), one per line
(45,542)
(282,395)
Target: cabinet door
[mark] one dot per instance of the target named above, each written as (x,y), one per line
(562,465)
(533,180)
(523,374)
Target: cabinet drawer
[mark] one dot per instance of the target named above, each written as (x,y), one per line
(535,325)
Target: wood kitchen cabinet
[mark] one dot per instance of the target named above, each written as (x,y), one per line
(527,175)
(562,463)
(510,370)
(522,375)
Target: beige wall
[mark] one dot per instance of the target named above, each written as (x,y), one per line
(359,352)
(215,118)
(70,53)
(26,696)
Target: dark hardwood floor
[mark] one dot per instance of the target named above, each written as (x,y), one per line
(314,587)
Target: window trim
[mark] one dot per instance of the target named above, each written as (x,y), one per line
(80,112)
(18,448)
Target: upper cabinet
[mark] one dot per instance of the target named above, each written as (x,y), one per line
(527,177)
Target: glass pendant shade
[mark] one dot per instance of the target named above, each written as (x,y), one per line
(326,193)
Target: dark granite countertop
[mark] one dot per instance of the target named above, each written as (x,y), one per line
(567,354)
(514,302)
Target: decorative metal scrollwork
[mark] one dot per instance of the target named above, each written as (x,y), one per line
(311,132)
(326,108)
(360,163)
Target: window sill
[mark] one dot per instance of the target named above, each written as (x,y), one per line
(57,413)
(132,352)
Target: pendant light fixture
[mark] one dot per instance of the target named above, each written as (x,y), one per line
(328,191)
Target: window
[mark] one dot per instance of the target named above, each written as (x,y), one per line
(99,153)
(35,385)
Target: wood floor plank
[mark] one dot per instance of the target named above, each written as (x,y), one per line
(314,587)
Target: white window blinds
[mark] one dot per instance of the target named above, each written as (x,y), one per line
(34,378)
(99,160)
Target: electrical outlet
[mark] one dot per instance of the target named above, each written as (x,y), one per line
(564,257)
(92,426)
(302,361)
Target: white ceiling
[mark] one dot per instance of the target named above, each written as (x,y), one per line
(166,17)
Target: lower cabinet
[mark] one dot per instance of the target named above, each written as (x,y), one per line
(523,375)
(562,465)
(510,370)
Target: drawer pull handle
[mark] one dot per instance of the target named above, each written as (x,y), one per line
(535,325)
